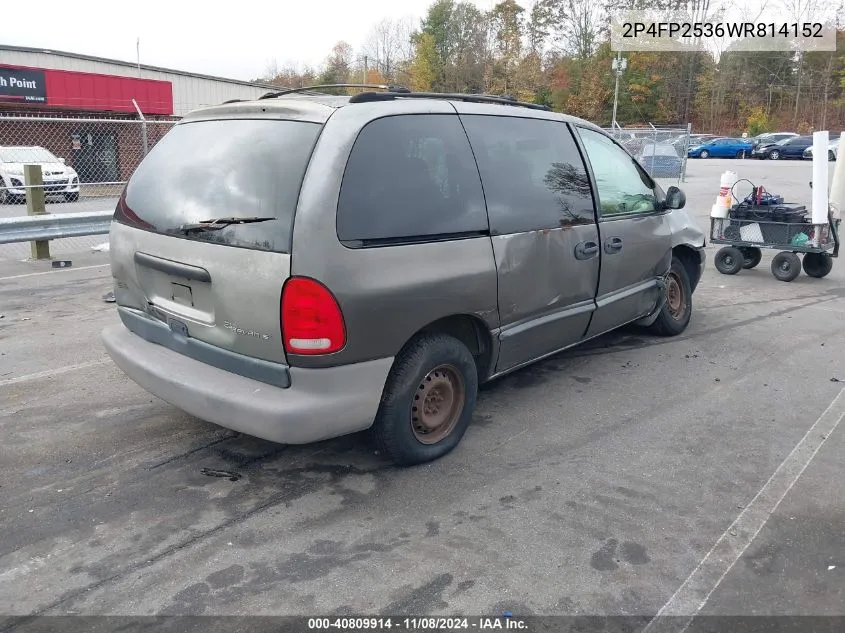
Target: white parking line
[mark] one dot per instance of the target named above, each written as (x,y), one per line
(696,590)
(54,372)
(53,272)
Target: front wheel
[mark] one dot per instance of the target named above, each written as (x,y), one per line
(729,260)
(817,265)
(704,154)
(740,154)
(675,314)
(786,266)
(72,197)
(428,400)
(774,155)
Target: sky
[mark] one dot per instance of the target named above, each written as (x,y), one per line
(235,39)
(238,40)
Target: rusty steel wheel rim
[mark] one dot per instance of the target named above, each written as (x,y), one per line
(675,297)
(438,403)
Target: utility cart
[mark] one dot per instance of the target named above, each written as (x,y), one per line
(751,227)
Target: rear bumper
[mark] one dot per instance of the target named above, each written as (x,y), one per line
(319,404)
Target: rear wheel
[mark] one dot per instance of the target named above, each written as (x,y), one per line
(428,400)
(751,256)
(705,154)
(786,266)
(817,265)
(729,260)
(676,312)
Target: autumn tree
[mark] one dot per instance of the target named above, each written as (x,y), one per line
(423,71)
(506,25)
(338,65)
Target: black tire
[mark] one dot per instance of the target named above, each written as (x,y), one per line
(817,265)
(5,196)
(396,431)
(72,197)
(830,155)
(729,260)
(774,154)
(675,314)
(704,154)
(740,154)
(751,257)
(786,266)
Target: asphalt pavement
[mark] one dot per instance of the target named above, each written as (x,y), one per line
(698,474)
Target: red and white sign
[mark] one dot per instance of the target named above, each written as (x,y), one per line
(72,90)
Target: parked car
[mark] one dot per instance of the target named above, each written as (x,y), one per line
(787,148)
(58,177)
(722,148)
(302,267)
(832,150)
(769,138)
(683,143)
(661,160)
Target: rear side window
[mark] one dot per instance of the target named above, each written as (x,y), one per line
(245,168)
(534,177)
(410,178)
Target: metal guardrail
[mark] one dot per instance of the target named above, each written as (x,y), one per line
(53,226)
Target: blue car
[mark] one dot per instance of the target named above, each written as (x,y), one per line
(722,148)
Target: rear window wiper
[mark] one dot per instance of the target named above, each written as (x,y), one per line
(219,223)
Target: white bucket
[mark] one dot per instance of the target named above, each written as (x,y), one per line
(724,200)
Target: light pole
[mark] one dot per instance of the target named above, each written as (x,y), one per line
(619,65)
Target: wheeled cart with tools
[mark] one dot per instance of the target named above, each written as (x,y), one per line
(783,227)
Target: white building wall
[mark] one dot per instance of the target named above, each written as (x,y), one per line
(189,91)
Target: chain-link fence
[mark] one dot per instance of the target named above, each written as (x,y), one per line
(662,151)
(81,159)
(84,163)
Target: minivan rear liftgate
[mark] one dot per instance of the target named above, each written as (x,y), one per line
(200,246)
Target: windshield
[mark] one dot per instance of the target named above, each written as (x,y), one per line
(26,155)
(245,168)
(784,141)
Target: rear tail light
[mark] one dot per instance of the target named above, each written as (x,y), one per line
(125,215)
(312,322)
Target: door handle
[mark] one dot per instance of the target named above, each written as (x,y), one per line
(612,245)
(586,250)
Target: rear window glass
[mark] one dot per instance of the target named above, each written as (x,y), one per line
(245,168)
(410,178)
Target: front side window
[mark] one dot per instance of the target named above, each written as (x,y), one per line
(410,178)
(533,174)
(623,188)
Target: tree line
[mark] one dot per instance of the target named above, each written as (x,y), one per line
(558,53)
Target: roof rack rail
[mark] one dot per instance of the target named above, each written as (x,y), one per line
(287,91)
(366,97)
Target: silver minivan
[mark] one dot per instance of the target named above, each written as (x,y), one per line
(304,266)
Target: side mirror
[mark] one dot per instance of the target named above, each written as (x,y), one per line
(675,198)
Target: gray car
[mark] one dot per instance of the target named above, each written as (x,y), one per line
(302,267)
